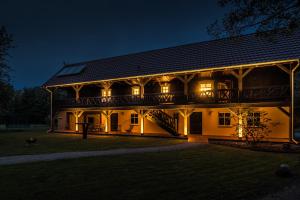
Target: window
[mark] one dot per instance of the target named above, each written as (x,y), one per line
(135,90)
(224,119)
(165,88)
(134,119)
(106,93)
(70,70)
(253,119)
(206,89)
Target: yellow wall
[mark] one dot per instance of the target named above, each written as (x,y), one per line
(210,125)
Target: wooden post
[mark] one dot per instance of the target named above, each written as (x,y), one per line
(142,123)
(142,87)
(291,74)
(143,114)
(107,114)
(240,76)
(77,114)
(185,80)
(185,113)
(77,89)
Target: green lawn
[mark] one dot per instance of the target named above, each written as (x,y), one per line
(208,172)
(13,143)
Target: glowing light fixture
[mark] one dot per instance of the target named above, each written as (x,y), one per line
(165,88)
(135,90)
(206,89)
(106,92)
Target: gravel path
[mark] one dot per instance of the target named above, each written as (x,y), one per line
(9,160)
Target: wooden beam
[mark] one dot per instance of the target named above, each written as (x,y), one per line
(247,72)
(128,82)
(283,68)
(233,111)
(185,80)
(287,113)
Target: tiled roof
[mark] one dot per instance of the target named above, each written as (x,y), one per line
(246,49)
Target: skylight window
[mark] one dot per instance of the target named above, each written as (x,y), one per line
(71,70)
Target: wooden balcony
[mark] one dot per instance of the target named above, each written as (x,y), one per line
(249,95)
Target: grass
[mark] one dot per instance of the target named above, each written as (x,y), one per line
(208,172)
(13,143)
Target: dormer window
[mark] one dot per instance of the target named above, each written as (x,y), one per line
(135,90)
(165,88)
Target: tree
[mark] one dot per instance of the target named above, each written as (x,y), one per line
(264,17)
(5,45)
(6,98)
(6,90)
(31,104)
(251,125)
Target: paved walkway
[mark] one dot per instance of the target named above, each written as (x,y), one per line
(9,160)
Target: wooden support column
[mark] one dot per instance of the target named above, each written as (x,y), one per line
(141,82)
(240,76)
(77,89)
(143,114)
(107,114)
(185,113)
(185,80)
(77,114)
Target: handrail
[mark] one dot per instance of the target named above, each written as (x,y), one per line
(209,96)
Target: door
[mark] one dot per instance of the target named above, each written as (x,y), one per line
(114,122)
(196,123)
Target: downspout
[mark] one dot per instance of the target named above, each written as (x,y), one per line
(292,101)
(51,109)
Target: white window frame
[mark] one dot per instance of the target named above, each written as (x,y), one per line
(224,119)
(134,119)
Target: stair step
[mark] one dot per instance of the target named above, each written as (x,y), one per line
(197,138)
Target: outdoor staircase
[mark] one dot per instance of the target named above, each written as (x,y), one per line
(164,120)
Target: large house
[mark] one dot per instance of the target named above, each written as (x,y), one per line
(189,91)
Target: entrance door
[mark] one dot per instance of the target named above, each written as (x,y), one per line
(196,123)
(114,122)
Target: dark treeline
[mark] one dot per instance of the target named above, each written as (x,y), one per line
(25,106)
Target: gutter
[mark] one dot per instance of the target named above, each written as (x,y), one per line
(292,101)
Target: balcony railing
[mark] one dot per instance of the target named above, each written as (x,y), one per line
(273,93)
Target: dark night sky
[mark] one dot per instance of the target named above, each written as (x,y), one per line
(47,33)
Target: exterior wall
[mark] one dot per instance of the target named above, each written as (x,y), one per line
(279,124)
(210,127)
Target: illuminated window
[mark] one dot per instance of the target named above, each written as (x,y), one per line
(165,88)
(106,93)
(135,90)
(224,119)
(206,89)
(134,119)
(253,119)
